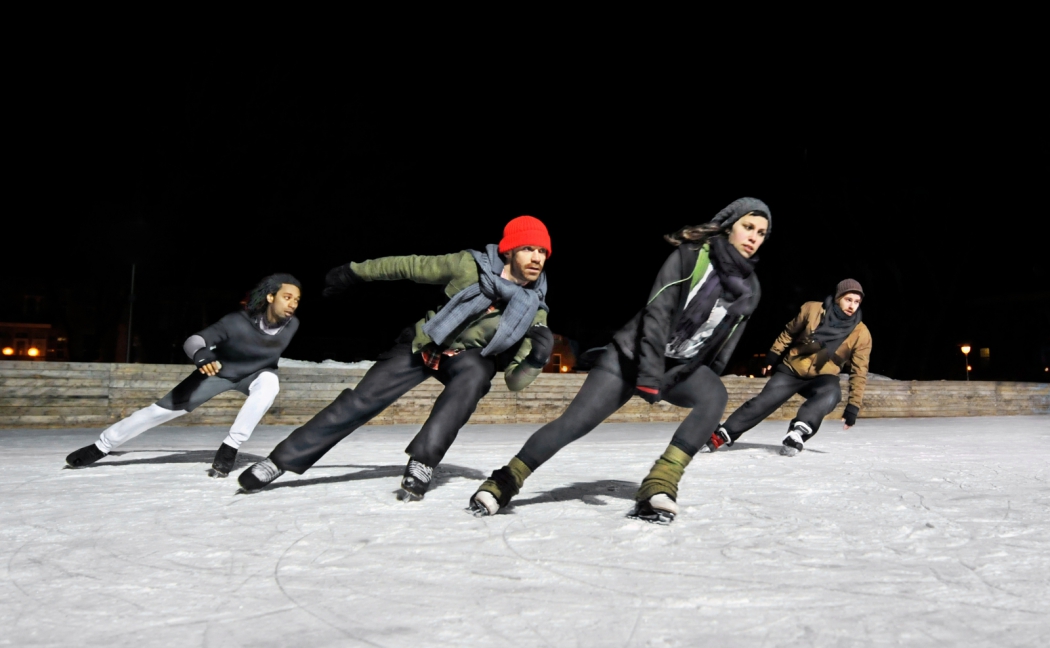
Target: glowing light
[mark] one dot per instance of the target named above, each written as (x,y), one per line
(966,349)
(969,368)
(9,351)
(33,352)
(751,375)
(564,369)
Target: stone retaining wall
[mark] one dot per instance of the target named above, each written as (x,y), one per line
(58,394)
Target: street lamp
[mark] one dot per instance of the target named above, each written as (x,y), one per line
(966,359)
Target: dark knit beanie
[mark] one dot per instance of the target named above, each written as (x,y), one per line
(736,210)
(525,230)
(848,286)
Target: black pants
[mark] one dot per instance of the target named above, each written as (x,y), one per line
(467,377)
(822,394)
(608,387)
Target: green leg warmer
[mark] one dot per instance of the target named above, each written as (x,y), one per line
(665,474)
(507,481)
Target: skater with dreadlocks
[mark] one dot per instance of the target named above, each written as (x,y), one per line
(240,352)
(806,359)
(673,350)
(496,318)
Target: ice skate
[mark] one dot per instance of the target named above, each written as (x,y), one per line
(719,438)
(224,460)
(792,444)
(658,509)
(259,475)
(415,482)
(483,504)
(85,456)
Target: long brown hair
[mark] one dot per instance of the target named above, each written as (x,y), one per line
(704,231)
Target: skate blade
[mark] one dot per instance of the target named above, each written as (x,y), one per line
(408,496)
(788,451)
(663,518)
(217,473)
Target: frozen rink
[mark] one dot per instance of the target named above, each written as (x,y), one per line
(898,532)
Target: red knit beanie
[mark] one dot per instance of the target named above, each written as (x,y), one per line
(525,230)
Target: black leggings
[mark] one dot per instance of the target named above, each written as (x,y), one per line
(467,377)
(822,394)
(608,387)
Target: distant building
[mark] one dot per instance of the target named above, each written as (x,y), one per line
(24,341)
(563,357)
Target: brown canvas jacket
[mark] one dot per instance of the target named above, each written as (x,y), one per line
(809,362)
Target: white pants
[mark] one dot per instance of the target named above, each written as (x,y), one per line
(261,394)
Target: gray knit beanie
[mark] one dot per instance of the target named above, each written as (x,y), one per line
(736,209)
(848,286)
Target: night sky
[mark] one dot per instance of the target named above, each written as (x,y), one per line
(929,189)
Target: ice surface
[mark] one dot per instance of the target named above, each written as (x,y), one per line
(897,532)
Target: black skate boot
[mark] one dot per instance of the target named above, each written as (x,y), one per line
(719,438)
(224,459)
(793,442)
(259,475)
(416,481)
(85,456)
(658,509)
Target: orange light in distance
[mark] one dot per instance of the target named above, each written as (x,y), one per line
(9,351)
(33,352)
(969,368)
(966,349)
(564,369)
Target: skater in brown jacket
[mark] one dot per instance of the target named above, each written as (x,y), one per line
(806,359)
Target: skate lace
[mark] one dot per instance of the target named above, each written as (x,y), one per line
(419,471)
(266,471)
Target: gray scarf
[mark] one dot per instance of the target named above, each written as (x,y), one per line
(522,303)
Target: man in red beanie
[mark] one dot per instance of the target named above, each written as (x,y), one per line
(496,318)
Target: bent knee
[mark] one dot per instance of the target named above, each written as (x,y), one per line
(266,383)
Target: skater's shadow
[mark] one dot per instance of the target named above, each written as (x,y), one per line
(768,447)
(244,459)
(442,475)
(590,493)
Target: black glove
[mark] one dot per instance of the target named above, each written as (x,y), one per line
(650,397)
(772,359)
(542,345)
(339,279)
(850,415)
(204,355)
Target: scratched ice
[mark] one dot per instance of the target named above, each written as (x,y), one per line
(909,532)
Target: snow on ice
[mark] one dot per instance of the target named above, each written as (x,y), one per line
(905,531)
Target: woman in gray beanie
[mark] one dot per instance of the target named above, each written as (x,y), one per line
(806,359)
(673,350)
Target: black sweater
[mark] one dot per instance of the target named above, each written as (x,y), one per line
(242,348)
(644,338)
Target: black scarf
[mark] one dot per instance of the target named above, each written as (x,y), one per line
(835,327)
(729,282)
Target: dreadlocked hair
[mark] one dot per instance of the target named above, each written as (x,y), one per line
(703,232)
(256,303)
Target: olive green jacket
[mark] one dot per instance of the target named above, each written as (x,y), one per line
(807,360)
(456,271)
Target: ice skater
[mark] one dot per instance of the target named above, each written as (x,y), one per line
(240,352)
(496,317)
(806,359)
(673,350)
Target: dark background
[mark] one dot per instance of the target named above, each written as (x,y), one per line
(926,182)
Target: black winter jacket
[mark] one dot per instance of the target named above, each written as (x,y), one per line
(644,338)
(242,348)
